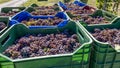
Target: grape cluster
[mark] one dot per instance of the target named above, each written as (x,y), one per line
(112,36)
(45,10)
(10,13)
(42,45)
(41,22)
(76,10)
(46,7)
(2,25)
(72,6)
(94,20)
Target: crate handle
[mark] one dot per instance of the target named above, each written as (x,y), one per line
(4,41)
(5,36)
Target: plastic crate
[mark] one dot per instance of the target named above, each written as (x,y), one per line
(100,46)
(10,65)
(25,16)
(103,52)
(6,21)
(6,65)
(33,7)
(79,3)
(8,9)
(107,57)
(36,5)
(64,7)
(103,55)
(107,15)
(73,66)
(84,1)
(106,65)
(79,57)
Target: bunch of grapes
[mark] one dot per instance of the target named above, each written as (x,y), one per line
(93,20)
(79,12)
(72,6)
(42,45)
(10,13)
(42,22)
(2,25)
(112,36)
(76,10)
(45,10)
(46,7)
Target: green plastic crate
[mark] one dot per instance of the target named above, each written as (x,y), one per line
(73,66)
(84,1)
(108,57)
(66,1)
(108,16)
(106,65)
(30,9)
(7,9)
(6,21)
(79,57)
(11,65)
(33,6)
(100,46)
(6,65)
(103,52)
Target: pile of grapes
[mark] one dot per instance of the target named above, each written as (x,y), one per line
(112,36)
(76,10)
(94,20)
(2,25)
(42,45)
(72,6)
(10,13)
(43,22)
(45,10)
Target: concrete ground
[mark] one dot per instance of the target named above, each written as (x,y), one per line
(13,3)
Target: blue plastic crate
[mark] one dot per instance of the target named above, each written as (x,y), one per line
(24,15)
(81,4)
